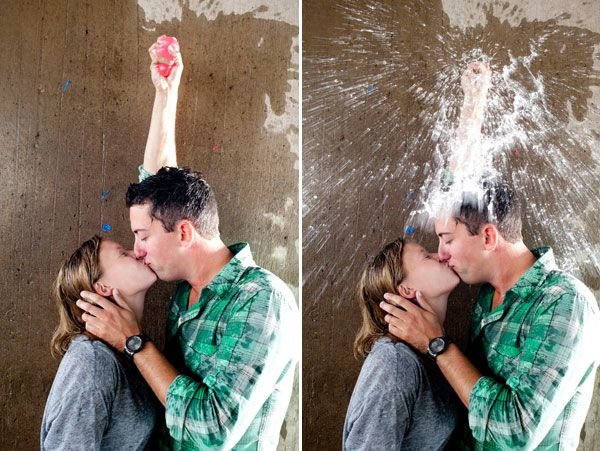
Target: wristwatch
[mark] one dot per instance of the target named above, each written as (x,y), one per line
(437,346)
(135,344)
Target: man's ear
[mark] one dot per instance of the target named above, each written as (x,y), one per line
(406,292)
(490,237)
(103,289)
(186,232)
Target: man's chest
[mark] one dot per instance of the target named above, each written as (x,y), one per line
(202,339)
(503,335)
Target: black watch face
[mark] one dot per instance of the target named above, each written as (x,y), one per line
(437,345)
(134,343)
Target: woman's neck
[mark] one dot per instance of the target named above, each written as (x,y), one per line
(136,303)
(439,305)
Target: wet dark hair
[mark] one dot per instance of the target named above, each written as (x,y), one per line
(499,206)
(176,194)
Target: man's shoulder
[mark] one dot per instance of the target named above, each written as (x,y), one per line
(560,284)
(567,296)
(258,281)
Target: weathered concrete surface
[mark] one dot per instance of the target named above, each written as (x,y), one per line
(353,199)
(62,144)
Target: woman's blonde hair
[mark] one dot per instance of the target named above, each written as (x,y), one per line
(381,276)
(78,273)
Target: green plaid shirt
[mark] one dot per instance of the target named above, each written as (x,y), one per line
(540,349)
(236,349)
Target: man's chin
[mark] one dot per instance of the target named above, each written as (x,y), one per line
(166,277)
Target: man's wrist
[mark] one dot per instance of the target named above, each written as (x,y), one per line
(134,344)
(170,93)
(438,345)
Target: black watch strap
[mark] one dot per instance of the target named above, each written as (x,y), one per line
(135,344)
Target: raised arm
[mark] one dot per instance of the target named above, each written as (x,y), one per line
(160,147)
(466,146)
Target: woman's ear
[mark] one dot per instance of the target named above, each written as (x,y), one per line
(406,292)
(102,289)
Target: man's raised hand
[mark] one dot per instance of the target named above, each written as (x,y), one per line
(170,83)
(476,80)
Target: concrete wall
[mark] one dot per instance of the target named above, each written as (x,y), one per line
(75,104)
(367,150)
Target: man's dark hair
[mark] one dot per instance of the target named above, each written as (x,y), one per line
(499,206)
(176,194)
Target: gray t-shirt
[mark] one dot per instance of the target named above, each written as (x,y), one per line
(400,401)
(98,401)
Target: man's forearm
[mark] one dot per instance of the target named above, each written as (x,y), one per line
(458,371)
(156,370)
(471,120)
(467,139)
(160,147)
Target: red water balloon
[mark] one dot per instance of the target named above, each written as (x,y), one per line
(162,51)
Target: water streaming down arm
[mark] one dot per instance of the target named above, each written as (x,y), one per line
(466,157)
(160,146)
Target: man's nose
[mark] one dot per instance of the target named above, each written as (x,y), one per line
(138,251)
(443,255)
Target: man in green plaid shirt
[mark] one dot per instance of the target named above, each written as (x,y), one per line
(233,327)
(535,332)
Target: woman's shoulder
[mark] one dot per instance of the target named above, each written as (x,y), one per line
(391,360)
(83,347)
(393,353)
(93,359)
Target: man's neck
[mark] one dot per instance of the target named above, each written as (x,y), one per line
(206,262)
(514,261)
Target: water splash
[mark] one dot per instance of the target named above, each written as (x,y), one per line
(382,98)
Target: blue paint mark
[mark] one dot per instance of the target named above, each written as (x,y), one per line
(104,195)
(409,230)
(370,89)
(67,83)
(408,196)
(106,228)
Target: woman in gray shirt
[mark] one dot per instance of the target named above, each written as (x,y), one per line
(401,400)
(98,400)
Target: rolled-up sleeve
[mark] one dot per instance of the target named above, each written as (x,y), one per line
(557,355)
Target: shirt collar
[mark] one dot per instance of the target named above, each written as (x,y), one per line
(537,273)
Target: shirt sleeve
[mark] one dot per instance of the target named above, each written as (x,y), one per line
(555,358)
(254,353)
(78,411)
(142,173)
